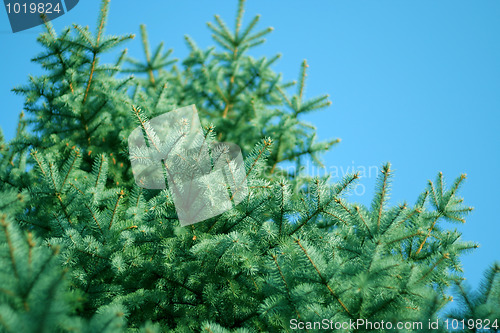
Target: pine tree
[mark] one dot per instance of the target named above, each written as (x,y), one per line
(83,248)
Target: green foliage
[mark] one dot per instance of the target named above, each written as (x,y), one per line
(481,306)
(35,295)
(84,249)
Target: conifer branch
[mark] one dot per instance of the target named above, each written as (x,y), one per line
(302,79)
(76,188)
(402,208)
(92,68)
(84,33)
(492,275)
(5,226)
(456,185)
(276,156)
(381,196)
(182,285)
(99,174)
(434,195)
(145,129)
(91,254)
(443,257)
(397,240)
(428,235)
(338,218)
(224,31)
(9,203)
(440,185)
(56,193)
(147,52)
(120,196)
(57,51)
(289,296)
(34,153)
(102,19)
(247,214)
(120,60)
(41,271)
(414,212)
(31,245)
(284,96)
(35,224)
(363,220)
(465,297)
(323,280)
(76,156)
(162,93)
(341,204)
(333,198)
(282,206)
(51,171)
(266,143)
(95,47)
(241,37)
(239,18)
(92,214)
(257,36)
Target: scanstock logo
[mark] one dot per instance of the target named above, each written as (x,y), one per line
(26,14)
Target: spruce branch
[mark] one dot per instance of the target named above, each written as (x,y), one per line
(302,80)
(5,226)
(431,228)
(381,196)
(323,280)
(239,17)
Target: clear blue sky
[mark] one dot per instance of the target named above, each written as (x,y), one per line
(416,83)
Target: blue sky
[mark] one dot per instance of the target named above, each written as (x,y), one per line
(416,83)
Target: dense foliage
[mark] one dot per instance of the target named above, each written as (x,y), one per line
(82,248)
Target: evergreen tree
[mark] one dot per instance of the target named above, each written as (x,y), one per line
(85,249)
